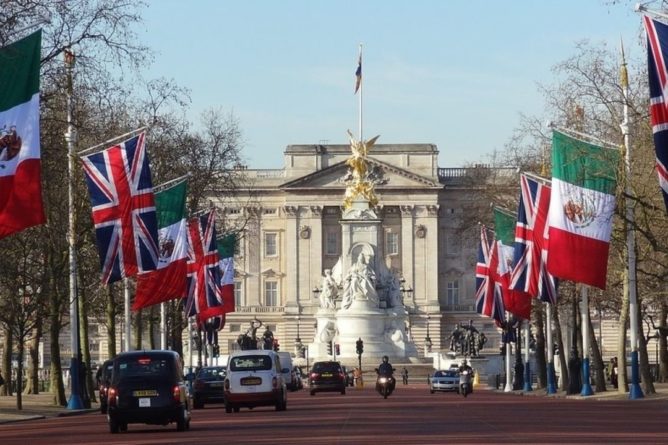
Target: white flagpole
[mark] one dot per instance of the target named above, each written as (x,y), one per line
(509,385)
(635,392)
(586,385)
(163,326)
(128,320)
(361,135)
(551,384)
(75,401)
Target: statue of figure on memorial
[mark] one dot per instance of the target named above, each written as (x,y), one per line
(360,282)
(359,183)
(330,290)
(456,338)
(267,339)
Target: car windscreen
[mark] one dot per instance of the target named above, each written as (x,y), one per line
(144,366)
(251,363)
(211,373)
(326,366)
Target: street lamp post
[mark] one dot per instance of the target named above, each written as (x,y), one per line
(427,340)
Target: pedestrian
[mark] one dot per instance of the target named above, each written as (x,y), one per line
(613,372)
(404,375)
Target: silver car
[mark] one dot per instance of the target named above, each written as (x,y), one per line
(444,380)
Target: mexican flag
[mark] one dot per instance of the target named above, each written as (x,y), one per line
(168,281)
(20,166)
(581,209)
(515,301)
(226,246)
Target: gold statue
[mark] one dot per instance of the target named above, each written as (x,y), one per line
(359,184)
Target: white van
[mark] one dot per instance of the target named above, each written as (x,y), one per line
(288,370)
(254,378)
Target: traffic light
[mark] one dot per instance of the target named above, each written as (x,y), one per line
(360,346)
(338,350)
(329,348)
(216,351)
(502,349)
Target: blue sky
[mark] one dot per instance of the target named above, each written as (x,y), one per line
(453,73)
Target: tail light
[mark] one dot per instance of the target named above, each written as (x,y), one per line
(315,375)
(342,375)
(176,393)
(112,394)
(274,383)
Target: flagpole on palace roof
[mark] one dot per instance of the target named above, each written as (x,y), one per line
(635,392)
(361,83)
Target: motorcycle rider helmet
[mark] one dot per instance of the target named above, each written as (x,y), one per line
(386,359)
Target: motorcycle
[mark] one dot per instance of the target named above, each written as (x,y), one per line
(385,384)
(465,387)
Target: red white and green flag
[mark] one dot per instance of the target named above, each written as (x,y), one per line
(168,281)
(514,301)
(581,207)
(226,247)
(20,165)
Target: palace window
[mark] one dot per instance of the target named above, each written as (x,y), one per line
(270,293)
(453,244)
(238,294)
(332,242)
(391,243)
(270,244)
(453,293)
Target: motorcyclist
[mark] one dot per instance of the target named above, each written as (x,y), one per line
(385,368)
(466,377)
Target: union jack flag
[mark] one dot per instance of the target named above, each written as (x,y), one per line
(121,195)
(657,51)
(531,243)
(205,293)
(489,285)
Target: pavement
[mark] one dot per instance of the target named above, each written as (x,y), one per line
(40,406)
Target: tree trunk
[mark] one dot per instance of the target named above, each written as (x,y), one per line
(541,363)
(152,326)
(7,347)
(643,359)
(137,328)
(560,344)
(111,323)
(56,370)
(663,350)
(85,345)
(596,359)
(20,349)
(32,386)
(621,337)
(177,326)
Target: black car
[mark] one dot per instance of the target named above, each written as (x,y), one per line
(148,387)
(327,376)
(103,378)
(209,386)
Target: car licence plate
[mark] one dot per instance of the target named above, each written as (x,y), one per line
(251,381)
(145,402)
(145,393)
(216,384)
(327,374)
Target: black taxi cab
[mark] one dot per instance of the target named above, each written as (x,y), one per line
(148,387)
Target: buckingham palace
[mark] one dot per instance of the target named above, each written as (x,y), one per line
(292,235)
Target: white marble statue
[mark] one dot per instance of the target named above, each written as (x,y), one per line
(330,291)
(360,282)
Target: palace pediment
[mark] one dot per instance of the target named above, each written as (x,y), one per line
(385,176)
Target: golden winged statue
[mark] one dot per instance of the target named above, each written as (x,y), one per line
(359,185)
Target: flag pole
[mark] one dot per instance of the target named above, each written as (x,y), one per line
(509,386)
(361,135)
(551,384)
(126,310)
(75,401)
(163,326)
(635,392)
(109,141)
(584,310)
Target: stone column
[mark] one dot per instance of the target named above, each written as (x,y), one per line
(408,252)
(291,285)
(315,252)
